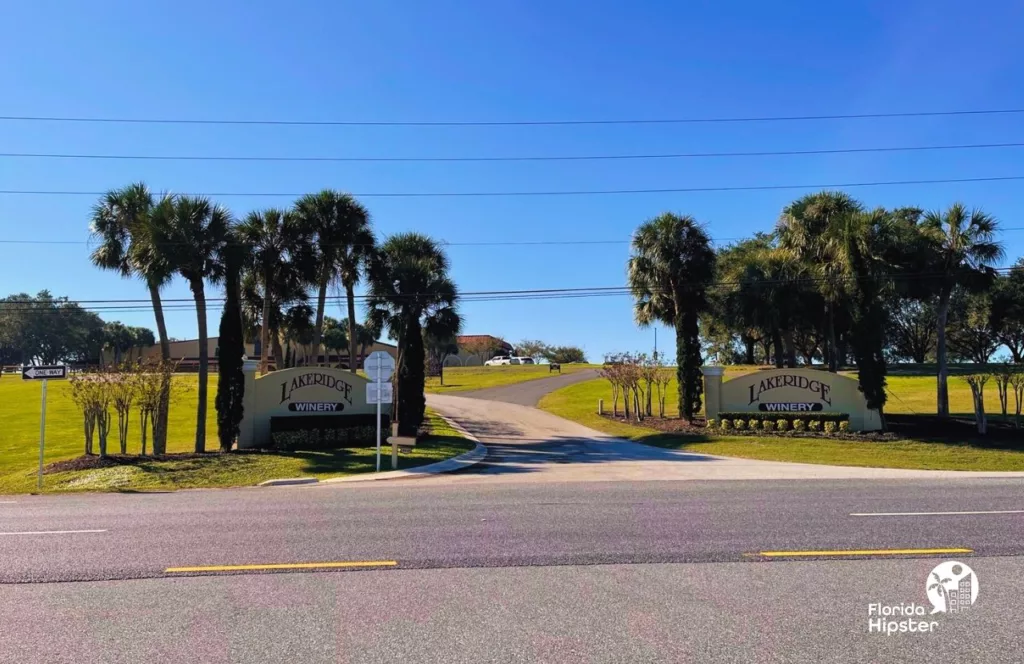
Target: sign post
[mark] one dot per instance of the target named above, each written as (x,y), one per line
(59,372)
(379,365)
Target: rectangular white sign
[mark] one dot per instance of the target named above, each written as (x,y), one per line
(380,393)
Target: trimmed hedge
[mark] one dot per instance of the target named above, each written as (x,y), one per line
(810,416)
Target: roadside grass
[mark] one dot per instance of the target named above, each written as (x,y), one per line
(185,471)
(461,379)
(579,403)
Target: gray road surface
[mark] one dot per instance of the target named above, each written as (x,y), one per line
(791,612)
(530,392)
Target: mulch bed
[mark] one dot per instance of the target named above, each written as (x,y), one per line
(92,462)
(901,427)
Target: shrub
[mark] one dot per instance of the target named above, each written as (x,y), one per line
(768,425)
(739,425)
(799,425)
(814,425)
(711,423)
(844,426)
(760,416)
(782,424)
(726,425)
(830,428)
(754,425)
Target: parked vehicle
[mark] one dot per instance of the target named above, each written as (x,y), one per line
(498,360)
(524,360)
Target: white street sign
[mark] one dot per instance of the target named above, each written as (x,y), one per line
(42,373)
(379,365)
(380,393)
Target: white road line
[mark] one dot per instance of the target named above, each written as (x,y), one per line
(53,532)
(7,502)
(936,513)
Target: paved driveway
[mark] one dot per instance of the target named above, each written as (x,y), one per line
(527,444)
(530,392)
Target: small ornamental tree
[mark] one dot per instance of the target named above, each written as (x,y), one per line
(977,383)
(124,387)
(1017,383)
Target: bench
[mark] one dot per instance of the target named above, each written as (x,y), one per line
(554,366)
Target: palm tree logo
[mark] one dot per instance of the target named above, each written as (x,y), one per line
(952,587)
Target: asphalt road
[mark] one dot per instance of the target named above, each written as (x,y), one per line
(617,571)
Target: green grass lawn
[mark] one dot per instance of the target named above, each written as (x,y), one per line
(461,379)
(19,448)
(916,394)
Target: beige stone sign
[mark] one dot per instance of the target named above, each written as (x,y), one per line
(788,391)
(299,392)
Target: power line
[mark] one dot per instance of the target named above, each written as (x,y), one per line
(509,158)
(174,304)
(510,123)
(579,192)
(446,243)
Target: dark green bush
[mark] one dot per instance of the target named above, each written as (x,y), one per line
(812,416)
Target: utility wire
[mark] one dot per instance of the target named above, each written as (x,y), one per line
(510,123)
(508,158)
(579,192)
(489,243)
(471,296)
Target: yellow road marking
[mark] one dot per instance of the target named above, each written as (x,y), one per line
(861,552)
(249,568)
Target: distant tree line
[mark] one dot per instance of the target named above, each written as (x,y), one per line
(43,329)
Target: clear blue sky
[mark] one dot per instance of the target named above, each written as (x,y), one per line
(444,60)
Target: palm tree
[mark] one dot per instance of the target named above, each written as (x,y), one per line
(801,229)
(961,249)
(355,252)
(123,221)
(194,236)
(271,235)
(669,273)
(410,292)
(289,289)
(343,242)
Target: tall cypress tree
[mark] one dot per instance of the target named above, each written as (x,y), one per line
(230,379)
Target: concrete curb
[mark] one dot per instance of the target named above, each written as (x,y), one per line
(289,481)
(464,460)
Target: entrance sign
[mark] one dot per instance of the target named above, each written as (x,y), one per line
(311,392)
(788,391)
(57,371)
(43,373)
(379,365)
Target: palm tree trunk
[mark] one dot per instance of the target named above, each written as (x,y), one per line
(790,347)
(942,395)
(265,326)
(204,359)
(160,430)
(320,303)
(748,349)
(833,359)
(351,296)
(279,359)
(777,346)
